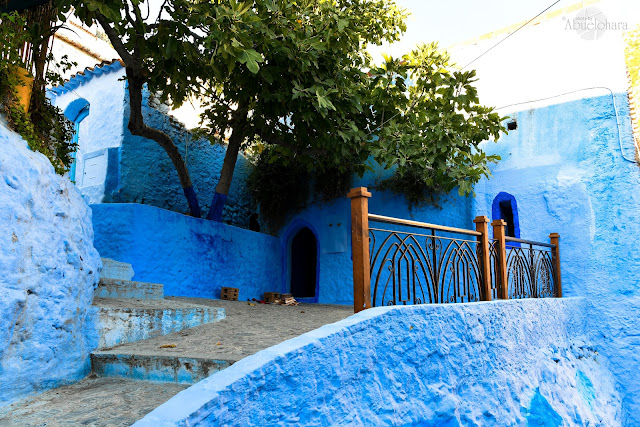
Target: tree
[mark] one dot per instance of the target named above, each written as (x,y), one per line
(292,75)
(430,130)
(295,77)
(164,53)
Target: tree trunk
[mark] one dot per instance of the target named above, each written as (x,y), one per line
(135,78)
(137,127)
(228,166)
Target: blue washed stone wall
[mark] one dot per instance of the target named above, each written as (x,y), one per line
(331,222)
(48,270)
(496,363)
(564,167)
(189,256)
(147,175)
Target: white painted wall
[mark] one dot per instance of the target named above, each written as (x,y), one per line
(100,130)
(548,58)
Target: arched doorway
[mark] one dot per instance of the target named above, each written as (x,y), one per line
(303,256)
(505,207)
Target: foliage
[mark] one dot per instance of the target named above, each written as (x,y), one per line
(282,190)
(430,130)
(44,127)
(279,190)
(295,77)
(299,68)
(632,58)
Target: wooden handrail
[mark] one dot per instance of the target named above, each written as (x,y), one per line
(488,257)
(528,242)
(398,221)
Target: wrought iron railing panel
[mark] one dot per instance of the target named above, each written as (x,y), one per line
(414,268)
(495,268)
(530,271)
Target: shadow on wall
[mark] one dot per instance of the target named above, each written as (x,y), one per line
(190,256)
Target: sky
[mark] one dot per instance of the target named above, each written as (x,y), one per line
(454,21)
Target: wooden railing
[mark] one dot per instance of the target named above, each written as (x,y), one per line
(410,262)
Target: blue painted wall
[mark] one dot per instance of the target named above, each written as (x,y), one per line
(147,175)
(48,270)
(564,167)
(499,363)
(189,256)
(332,223)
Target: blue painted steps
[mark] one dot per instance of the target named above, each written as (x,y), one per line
(155,367)
(116,269)
(118,288)
(121,321)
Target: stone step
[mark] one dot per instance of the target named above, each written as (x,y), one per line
(164,368)
(112,269)
(121,321)
(117,288)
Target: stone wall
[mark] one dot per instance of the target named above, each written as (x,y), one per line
(147,175)
(189,256)
(564,165)
(48,270)
(497,363)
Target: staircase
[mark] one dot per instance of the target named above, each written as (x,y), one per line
(130,311)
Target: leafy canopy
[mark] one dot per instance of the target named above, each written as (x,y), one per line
(430,129)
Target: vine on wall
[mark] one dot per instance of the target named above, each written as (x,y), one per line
(43,126)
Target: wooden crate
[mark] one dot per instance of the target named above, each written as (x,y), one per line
(271,296)
(229,294)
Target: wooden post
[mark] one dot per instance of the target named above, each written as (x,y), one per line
(360,248)
(555,240)
(484,256)
(501,246)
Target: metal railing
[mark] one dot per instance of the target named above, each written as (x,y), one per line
(396,264)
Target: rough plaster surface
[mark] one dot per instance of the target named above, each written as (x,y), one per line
(565,168)
(115,288)
(121,321)
(189,256)
(101,130)
(200,351)
(496,363)
(48,270)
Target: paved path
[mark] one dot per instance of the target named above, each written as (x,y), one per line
(119,402)
(91,402)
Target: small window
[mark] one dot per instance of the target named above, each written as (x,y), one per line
(512,124)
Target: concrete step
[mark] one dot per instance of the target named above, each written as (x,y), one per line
(121,321)
(193,354)
(112,269)
(117,288)
(164,368)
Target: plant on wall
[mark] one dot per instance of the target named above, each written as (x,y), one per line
(429,131)
(42,125)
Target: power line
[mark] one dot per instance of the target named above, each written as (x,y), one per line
(509,35)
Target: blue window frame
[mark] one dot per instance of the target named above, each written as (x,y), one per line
(76,111)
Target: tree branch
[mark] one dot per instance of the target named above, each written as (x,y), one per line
(115,40)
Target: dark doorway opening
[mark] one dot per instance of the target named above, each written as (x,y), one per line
(506,213)
(304,261)
(504,207)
